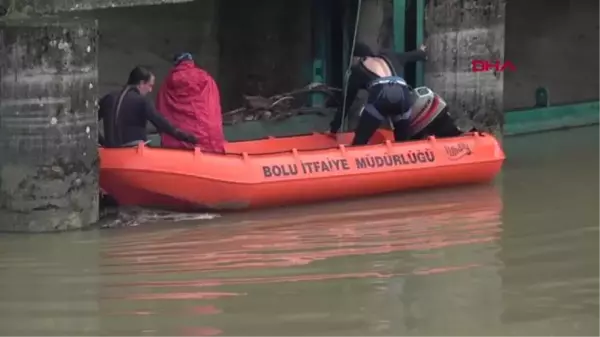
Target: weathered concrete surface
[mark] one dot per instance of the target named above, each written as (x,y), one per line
(48,126)
(554,44)
(150,35)
(375,27)
(459,31)
(54,6)
(249,47)
(265,48)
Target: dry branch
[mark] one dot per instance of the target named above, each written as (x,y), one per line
(280,107)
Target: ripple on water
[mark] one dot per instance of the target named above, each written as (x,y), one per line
(457,261)
(184,280)
(231,258)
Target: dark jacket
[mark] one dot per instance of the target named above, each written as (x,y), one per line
(127,123)
(361,77)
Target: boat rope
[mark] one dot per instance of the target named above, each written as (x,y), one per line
(348,70)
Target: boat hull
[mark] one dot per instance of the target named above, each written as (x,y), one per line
(293,170)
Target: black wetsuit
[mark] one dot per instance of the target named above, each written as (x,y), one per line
(125,123)
(388,97)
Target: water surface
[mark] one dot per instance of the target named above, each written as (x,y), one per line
(519,257)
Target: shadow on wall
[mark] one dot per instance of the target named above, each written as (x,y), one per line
(150,35)
(265,47)
(554,44)
(261,47)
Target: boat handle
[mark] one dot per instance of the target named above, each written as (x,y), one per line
(140,148)
(388,145)
(432,142)
(478,135)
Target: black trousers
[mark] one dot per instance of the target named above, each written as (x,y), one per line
(388,100)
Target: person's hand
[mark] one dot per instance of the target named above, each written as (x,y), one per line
(188,138)
(191,139)
(423,47)
(335,136)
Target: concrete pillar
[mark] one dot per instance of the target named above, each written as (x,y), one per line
(48,125)
(53,6)
(459,31)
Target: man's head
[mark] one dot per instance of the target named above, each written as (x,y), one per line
(361,50)
(142,78)
(182,57)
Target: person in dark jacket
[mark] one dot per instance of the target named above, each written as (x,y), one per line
(126,112)
(389,94)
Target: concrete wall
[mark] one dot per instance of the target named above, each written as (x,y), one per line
(150,35)
(553,43)
(266,47)
(48,148)
(256,48)
(28,7)
(459,31)
(375,27)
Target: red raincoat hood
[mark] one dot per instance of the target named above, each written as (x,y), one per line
(189,98)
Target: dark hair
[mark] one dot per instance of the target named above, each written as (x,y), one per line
(138,75)
(361,49)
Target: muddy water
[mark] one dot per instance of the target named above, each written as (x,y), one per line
(519,257)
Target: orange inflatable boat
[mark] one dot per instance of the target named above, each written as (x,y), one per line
(292,170)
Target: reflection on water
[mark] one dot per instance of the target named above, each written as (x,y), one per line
(267,274)
(259,273)
(460,261)
(550,236)
(375,226)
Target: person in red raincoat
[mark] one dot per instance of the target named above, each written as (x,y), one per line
(189,98)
